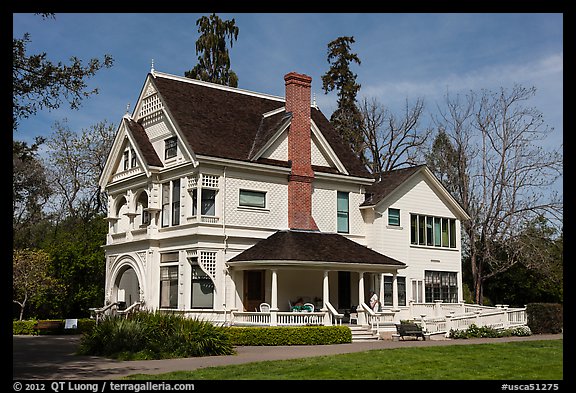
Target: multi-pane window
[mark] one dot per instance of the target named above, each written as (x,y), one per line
(176,202)
(202,290)
(249,198)
(171,203)
(440,286)
(204,187)
(132,158)
(342,212)
(170,147)
(394,217)
(432,231)
(417,291)
(388,293)
(208,206)
(169,280)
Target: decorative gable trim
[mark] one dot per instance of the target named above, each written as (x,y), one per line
(326,149)
(123,137)
(151,109)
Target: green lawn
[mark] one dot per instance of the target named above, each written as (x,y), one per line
(528,360)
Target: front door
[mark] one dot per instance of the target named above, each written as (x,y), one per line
(344,290)
(253,289)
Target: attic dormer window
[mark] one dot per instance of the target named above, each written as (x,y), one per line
(170,147)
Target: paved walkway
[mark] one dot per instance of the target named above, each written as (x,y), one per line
(53,357)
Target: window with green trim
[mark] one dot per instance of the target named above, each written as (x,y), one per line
(393,217)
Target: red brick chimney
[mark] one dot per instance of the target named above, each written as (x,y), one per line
(299,152)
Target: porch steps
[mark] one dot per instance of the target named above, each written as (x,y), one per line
(362,334)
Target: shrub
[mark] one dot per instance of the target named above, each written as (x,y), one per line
(474,331)
(27,327)
(545,317)
(291,335)
(155,336)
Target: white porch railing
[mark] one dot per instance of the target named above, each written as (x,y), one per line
(377,320)
(283,318)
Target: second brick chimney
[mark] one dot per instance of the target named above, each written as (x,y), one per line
(299,152)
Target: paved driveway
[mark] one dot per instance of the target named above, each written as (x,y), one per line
(54,358)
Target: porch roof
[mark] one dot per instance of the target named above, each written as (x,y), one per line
(297,247)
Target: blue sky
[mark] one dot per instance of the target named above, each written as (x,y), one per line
(404,56)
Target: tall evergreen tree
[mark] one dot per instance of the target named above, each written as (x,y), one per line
(211,48)
(346,119)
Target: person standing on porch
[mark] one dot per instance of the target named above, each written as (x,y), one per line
(374,302)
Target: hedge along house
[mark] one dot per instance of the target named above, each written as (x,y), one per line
(221,199)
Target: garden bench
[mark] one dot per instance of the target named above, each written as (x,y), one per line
(410,329)
(47,325)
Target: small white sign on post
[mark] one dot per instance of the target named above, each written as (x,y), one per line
(71,324)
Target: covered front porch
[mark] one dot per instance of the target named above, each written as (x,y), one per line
(269,294)
(330,272)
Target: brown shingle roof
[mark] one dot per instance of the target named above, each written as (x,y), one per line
(228,124)
(387,183)
(146,148)
(312,246)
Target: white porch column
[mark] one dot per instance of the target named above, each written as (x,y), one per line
(381,290)
(362,320)
(326,299)
(325,290)
(361,288)
(274,292)
(274,299)
(395,291)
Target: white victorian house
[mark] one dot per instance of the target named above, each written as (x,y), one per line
(221,200)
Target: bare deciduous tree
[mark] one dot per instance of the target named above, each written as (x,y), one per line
(76,161)
(499,172)
(392,141)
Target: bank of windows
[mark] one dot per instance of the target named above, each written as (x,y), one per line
(432,231)
(343,212)
(401,284)
(202,286)
(440,286)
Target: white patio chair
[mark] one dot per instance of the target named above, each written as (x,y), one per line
(309,306)
(264,307)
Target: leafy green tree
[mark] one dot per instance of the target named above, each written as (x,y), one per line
(38,83)
(211,48)
(346,119)
(78,259)
(30,276)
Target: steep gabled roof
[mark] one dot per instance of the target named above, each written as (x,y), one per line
(148,153)
(312,246)
(387,183)
(230,123)
(390,181)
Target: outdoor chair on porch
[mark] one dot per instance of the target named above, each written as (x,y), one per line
(308,307)
(264,307)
